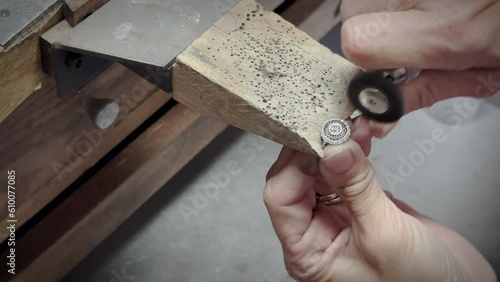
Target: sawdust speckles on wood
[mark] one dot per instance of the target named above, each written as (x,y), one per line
(285,80)
(282,74)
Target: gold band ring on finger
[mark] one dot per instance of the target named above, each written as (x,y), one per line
(328,200)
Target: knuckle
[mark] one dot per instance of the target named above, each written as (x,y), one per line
(359,182)
(463,38)
(454,31)
(458,34)
(303,269)
(426,93)
(401,5)
(267,197)
(425,97)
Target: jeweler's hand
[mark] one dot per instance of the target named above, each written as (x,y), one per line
(369,236)
(455,42)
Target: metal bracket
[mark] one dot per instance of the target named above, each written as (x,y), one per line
(73,69)
(144,35)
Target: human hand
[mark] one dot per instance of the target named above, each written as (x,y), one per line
(455,42)
(369,236)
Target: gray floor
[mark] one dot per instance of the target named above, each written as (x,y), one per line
(209,223)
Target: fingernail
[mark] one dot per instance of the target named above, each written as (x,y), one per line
(356,123)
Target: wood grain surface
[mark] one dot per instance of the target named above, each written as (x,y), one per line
(50,142)
(21,68)
(73,229)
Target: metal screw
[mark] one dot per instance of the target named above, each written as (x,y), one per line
(401,75)
(4,13)
(74,60)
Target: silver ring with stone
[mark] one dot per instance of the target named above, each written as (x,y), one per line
(335,132)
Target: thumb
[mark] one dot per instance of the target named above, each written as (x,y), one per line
(348,171)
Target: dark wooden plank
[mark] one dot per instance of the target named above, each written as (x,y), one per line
(50,142)
(81,222)
(21,68)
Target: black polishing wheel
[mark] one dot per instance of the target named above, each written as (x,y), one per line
(376,97)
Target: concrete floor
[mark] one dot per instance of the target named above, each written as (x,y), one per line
(209,223)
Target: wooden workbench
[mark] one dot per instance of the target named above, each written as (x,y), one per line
(72,177)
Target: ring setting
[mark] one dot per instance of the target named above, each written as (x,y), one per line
(335,132)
